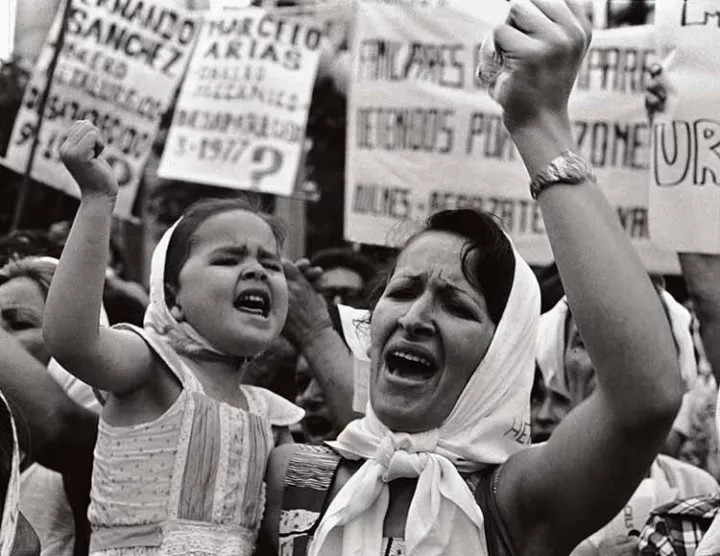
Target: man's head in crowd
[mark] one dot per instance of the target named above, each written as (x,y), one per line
(345,276)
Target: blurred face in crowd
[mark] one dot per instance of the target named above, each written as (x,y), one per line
(232,288)
(550,407)
(22,305)
(317,425)
(430,330)
(340,285)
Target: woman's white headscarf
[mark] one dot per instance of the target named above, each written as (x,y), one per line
(11,509)
(489,423)
(551,343)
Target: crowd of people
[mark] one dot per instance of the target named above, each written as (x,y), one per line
(215,413)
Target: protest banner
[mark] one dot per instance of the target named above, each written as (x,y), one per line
(241,115)
(685,177)
(119,68)
(424,136)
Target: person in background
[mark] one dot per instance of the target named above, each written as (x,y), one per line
(17,537)
(345,276)
(566,378)
(54,503)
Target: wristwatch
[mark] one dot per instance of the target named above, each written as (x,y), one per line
(568,168)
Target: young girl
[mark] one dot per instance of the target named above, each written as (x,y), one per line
(182,448)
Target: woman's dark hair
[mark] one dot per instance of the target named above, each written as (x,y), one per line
(491,271)
(181,242)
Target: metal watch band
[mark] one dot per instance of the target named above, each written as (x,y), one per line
(568,168)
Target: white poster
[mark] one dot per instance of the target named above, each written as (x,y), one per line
(119,68)
(241,115)
(423,136)
(685,181)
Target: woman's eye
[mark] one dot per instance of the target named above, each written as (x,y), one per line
(400,293)
(460,310)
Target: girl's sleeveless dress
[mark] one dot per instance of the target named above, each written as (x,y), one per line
(190,482)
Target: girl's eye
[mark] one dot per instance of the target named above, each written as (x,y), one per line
(225,261)
(272,265)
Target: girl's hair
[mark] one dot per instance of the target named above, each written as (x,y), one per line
(181,242)
(38,270)
(491,271)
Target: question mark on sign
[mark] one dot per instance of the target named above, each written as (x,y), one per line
(267,161)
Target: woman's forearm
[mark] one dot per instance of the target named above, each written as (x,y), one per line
(614,303)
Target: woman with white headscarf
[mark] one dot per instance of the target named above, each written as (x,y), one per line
(440,463)
(24,284)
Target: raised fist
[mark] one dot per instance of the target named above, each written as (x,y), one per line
(81,155)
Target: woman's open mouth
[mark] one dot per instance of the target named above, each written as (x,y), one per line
(317,427)
(410,365)
(254,302)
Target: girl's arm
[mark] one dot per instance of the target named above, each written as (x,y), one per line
(111,360)
(558,494)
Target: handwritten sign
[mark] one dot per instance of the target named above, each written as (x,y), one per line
(685,178)
(241,115)
(119,68)
(424,136)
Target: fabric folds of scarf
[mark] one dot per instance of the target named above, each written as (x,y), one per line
(551,343)
(182,337)
(11,508)
(489,423)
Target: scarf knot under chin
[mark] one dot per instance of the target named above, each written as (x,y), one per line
(402,457)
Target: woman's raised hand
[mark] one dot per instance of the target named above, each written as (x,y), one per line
(81,155)
(543,43)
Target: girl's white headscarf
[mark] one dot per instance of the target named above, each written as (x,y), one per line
(182,337)
(490,422)
(11,509)
(551,343)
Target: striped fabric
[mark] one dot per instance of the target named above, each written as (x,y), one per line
(190,482)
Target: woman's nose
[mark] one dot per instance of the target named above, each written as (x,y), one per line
(417,320)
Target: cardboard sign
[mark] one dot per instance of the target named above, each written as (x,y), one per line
(241,115)
(119,68)
(685,177)
(424,136)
